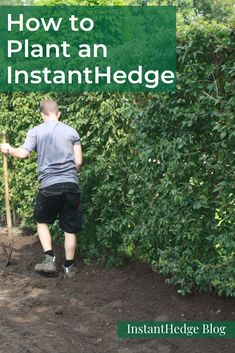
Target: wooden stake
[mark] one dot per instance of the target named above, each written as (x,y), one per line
(7,199)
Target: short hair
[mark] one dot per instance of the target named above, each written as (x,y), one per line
(48,106)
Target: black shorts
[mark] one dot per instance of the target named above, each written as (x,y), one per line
(62,201)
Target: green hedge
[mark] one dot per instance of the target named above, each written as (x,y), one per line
(188,216)
(158,176)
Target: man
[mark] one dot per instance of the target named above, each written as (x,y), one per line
(59,159)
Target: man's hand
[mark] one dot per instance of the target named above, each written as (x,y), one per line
(5,148)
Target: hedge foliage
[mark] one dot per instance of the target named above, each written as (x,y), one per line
(158,176)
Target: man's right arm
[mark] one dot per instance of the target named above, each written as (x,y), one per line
(23,151)
(29,145)
(20,152)
(14,152)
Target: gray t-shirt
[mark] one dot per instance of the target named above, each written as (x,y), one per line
(53,141)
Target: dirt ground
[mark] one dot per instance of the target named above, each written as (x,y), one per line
(50,314)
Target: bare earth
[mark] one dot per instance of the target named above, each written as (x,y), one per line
(51,314)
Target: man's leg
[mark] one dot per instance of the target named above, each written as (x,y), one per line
(70,243)
(48,264)
(44,236)
(68,221)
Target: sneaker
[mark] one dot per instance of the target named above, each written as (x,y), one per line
(70,271)
(48,265)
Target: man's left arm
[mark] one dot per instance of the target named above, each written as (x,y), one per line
(78,156)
